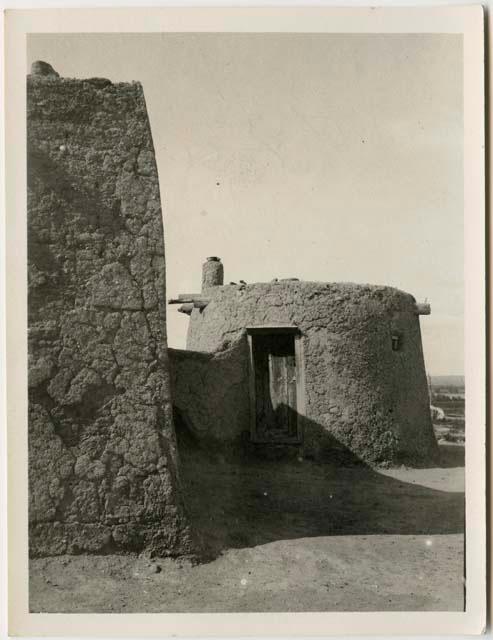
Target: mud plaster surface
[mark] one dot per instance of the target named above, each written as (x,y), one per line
(102,453)
(363,399)
(210,392)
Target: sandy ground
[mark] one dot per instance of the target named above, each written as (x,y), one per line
(288,536)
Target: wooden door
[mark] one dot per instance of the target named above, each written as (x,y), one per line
(275,388)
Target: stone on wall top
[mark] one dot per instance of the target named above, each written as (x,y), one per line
(41,68)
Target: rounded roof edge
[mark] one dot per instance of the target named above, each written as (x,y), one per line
(313,285)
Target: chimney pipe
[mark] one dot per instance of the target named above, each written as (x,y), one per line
(212,273)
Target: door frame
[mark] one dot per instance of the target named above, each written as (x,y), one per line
(300,379)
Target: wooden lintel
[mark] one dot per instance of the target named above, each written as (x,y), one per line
(273,328)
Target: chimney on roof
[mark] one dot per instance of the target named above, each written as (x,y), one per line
(212,273)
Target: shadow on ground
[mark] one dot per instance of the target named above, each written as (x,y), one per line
(451,456)
(250,502)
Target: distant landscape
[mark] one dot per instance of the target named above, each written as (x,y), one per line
(447,396)
(447,381)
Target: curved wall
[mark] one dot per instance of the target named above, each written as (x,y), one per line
(363,398)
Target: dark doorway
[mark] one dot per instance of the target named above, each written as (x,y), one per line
(274,387)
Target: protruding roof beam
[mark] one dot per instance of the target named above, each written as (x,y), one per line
(194,299)
(423,308)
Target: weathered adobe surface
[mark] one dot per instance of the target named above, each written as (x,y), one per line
(362,398)
(102,453)
(208,390)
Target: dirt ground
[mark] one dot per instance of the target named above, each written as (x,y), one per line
(288,536)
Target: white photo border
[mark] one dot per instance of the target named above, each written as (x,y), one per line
(465,20)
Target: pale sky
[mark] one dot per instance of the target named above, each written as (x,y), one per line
(338,158)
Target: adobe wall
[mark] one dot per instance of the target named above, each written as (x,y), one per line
(102,454)
(210,390)
(362,397)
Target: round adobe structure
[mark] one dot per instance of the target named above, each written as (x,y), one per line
(364,382)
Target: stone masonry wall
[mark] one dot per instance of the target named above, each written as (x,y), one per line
(362,397)
(102,453)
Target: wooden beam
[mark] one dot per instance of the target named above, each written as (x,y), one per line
(197,300)
(423,308)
